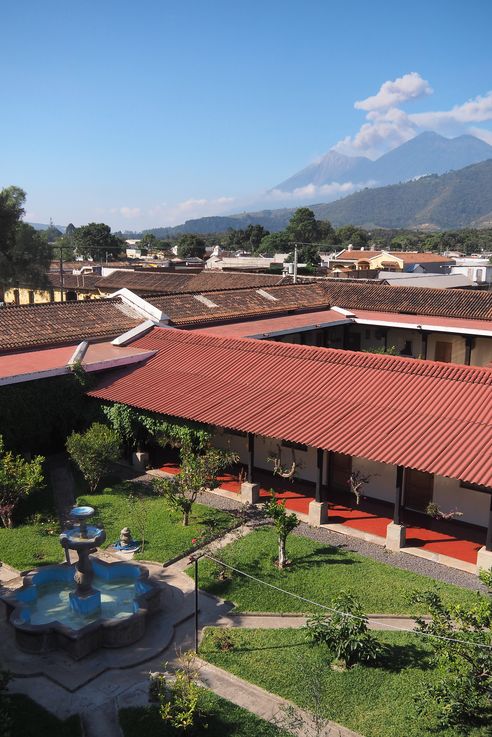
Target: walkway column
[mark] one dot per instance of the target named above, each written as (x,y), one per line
(318,509)
(484,556)
(250,492)
(424,345)
(395,532)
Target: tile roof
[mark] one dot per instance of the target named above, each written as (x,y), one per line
(145,282)
(426,415)
(191,309)
(462,303)
(57,323)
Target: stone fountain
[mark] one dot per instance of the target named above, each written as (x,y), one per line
(83,606)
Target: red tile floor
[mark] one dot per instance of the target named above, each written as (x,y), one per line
(453,539)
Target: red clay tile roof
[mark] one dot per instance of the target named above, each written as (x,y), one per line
(426,415)
(58,323)
(191,309)
(465,303)
(186,309)
(144,282)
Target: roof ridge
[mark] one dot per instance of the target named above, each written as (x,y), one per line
(111,300)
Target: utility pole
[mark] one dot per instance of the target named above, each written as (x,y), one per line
(61,274)
(295,264)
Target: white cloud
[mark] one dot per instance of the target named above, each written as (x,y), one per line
(388,126)
(330,191)
(130,213)
(174,213)
(394,92)
(483,134)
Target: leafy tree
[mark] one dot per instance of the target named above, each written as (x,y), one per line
(96,240)
(18,478)
(351,234)
(303,226)
(198,473)
(462,654)
(93,451)
(191,245)
(283,522)
(274,243)
(308,254)
(345,631)
(24,255)
(178,698)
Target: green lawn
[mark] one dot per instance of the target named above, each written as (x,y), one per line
(165,535)
(318,572)
(29,545)
(222,719)
(31,720)
(375,701)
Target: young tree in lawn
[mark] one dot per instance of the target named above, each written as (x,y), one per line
(93,451)
(18,478)
(198,472)
(178,698)
(283,522)
(461,697)
(345,632)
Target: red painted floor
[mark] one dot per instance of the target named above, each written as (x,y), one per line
(453,539)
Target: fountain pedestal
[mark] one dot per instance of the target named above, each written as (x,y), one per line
(85,600)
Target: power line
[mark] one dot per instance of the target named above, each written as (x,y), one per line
(344,614)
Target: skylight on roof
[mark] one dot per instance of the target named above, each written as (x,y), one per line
(204,300)
(266,295)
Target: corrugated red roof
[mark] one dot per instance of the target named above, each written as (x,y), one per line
(422,414)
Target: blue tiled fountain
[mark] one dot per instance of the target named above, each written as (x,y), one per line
(82,607)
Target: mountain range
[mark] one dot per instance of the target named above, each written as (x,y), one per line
(458,199)
(427,153)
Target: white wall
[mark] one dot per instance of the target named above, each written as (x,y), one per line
(265,447)
(458,346)
(448,495)
(383,479)
(482,352)
(235,443)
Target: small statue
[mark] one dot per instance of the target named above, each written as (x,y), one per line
(126,537)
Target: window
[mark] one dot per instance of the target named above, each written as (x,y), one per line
(407,349)
(443,351)
(30,296)
(294,446)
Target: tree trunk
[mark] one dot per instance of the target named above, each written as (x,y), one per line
(186,518)
(282,558)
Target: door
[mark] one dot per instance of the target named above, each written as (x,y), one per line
(443,351)
(340,470)
(419,487)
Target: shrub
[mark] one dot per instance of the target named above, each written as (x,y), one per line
(93,451)
(18,478)
(345,632)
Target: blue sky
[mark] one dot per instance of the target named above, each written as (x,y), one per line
(147,113)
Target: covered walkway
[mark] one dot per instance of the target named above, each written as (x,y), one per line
(452,539)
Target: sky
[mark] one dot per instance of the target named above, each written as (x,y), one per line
(145,114)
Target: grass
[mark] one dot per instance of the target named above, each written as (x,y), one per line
(165,535)
(31,720)
(30,544)
(375,701)
(220,717)
(318,572)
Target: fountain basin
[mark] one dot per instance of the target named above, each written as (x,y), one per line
(44,620)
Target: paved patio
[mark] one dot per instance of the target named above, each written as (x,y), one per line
(455,540)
